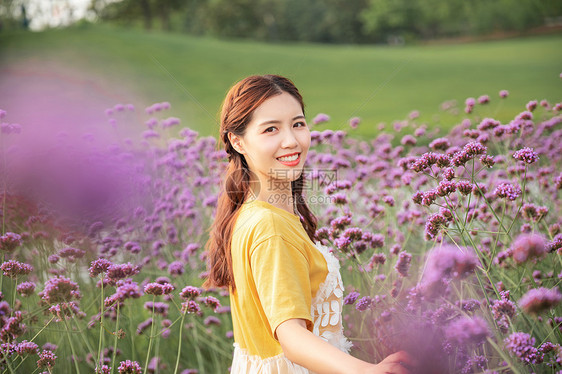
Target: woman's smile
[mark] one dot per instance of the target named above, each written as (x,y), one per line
(292,159)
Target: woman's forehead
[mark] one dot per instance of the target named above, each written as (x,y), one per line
(279,107)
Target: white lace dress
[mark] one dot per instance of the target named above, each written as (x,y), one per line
(326,311)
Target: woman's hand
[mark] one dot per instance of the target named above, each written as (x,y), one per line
(396,363)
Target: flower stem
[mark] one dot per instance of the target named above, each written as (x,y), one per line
(101,328)
(115,338)
(74,356)
(179,343)
(151,336)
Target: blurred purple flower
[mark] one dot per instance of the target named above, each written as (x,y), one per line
(403,264)
(10,241)
(528,246)
(363,303)
(350,298)
(466,331)
(484,99)
(26,289)
(354,122)
(446,263)
(321,117)
(538,300)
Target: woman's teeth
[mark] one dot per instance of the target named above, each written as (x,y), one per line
(289,158)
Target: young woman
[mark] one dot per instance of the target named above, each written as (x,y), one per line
(285,290)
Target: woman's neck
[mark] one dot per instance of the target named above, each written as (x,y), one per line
(280,197)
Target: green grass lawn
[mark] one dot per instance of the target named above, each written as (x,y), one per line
(376,83)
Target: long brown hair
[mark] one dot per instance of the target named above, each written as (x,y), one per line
(239,104)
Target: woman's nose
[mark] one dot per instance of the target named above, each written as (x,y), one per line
(289,139)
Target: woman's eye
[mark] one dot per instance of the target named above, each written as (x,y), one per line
(300,124)
(270,129)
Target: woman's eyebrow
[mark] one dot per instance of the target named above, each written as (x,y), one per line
(275,121)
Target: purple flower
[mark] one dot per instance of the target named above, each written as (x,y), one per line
(538,300)
(103,369)
(26,347)
(339,198)
(176,268)
(434,223)
(363,303)
(190,292)
(408,140)
(460,158)
(440,144)
(351,298)
(59,289)
(531,105)
(464,187)
(503,310)
(474,148)
(211,302)
(150,134)
(467,331)
(445,188)
(484,99)
(354,122)
(129,367)
(10,128)
(72,253)
(212,320)
(403,264)
(527,155)
(120,271)
(340,223)
(46,359)
(321,117)
(504,93)
(99,266)
(338,186)
(521,345)
(10,241)
(65,310)
(157,289)
(508,191)
(445,263)
(157,307)
(169,122)
(26,288)
(528,246)
(13,268)
(190,306)
(144,325)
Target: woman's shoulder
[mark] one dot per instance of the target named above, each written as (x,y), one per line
(261,219)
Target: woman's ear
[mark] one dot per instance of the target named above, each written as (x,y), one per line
(235,142)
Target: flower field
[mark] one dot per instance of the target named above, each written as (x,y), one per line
(450,244)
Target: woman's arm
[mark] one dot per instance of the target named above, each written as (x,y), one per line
(308,350)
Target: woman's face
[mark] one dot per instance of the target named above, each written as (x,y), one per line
(276,141)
